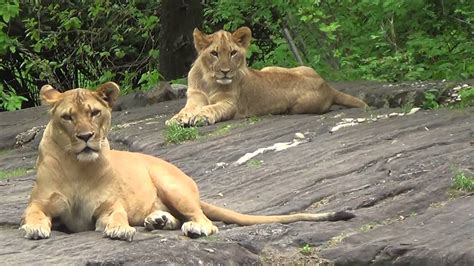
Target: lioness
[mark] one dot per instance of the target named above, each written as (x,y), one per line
(85,184)
(222,87)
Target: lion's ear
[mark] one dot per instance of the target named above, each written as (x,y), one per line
(242,36)
(201,40)
(49,95)
(109,91)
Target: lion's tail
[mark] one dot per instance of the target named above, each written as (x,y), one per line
(216,213)
(344,99)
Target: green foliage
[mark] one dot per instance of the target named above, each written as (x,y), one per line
(388,40)
(149,79)
(10,101)
(182,81)
(77,44)
(431,100)
(306,249)
(175,133)
(84,43)
(7,174)
(467,97)
(462,182)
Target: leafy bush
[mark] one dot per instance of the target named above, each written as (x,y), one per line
(396,40)
(467,97)
(431,100)
(77,44)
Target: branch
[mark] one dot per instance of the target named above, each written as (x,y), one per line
(291,43)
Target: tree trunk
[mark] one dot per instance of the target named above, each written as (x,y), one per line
(178,20)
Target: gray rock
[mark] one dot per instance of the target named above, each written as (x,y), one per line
(394,174)
(163,91)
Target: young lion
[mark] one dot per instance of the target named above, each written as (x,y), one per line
(222,87)
(88,186)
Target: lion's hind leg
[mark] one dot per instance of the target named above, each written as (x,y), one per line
(161,220)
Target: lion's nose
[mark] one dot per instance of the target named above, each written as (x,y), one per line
(225,71)
(85,136)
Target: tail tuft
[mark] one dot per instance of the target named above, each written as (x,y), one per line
(341,215)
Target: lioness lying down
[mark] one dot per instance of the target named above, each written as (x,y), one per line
(222,87)
(88,186)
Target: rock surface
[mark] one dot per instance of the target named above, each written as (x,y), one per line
(394,173)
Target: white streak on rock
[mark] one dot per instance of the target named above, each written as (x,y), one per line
(275,147)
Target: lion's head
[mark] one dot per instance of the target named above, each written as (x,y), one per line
(80,118)
(223,53)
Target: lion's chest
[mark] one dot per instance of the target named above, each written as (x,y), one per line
(80,215)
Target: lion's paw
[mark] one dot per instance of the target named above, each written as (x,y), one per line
(120,232)
(195,230)
(191,119)
(161,220)
(201,120)
(182,119)
(36,231)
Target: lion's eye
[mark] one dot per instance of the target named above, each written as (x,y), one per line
(215,54)
(66,117)
(233,52)
(95,113)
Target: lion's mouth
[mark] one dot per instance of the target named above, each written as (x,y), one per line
(224,81)
(88,150)
(88,154)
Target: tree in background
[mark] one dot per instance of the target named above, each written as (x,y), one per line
(178,20)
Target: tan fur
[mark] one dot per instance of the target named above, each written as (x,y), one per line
(88,186)
(222,87)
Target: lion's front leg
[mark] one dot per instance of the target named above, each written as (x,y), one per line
(195,101)
(36,221)
(211,114)
(113,221)
(36,224)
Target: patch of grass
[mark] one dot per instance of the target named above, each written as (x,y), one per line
(211,238)
(4,151)
(406,107)
(463,182)
(175,133)
(253,119)
(306,249)
(254,163)
(367,227)
(7,174)
(221,130)
(370,112)
(438,204)
(336,240)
